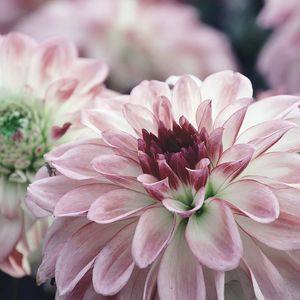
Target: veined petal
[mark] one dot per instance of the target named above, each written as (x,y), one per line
(180,276)
(186,98)
(163,110)
(225,87)
(114,264)
(213,237)
(283,233)
(77,202)
(254,199)
(149,241)
(117,205)
(204,116)
(282,167)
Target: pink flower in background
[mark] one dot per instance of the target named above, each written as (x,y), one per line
(11,11)
(190,190)
(279,60)
(42,89)
(138,39)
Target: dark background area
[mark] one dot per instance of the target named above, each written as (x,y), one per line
(237,19)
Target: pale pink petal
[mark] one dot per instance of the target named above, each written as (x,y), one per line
(252,198)
(68,274)
(225,87)
(78,201)
(186,98)
(204,116)
(158,189)
(180,276)
(114,264)
(117,205)
(265,135)
(139,117)
(15,55)
(150,289)
(46,192)
(76,162)
(149,241)
(214,145)
(213,237)
(148,92)
(283,233)
(163,111)
(266,275)
(282,167)
(214,282)
(57,236)
(275,107)
(10,233)
(232,162)
(232,127)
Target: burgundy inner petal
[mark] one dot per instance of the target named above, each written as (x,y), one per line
(180,147)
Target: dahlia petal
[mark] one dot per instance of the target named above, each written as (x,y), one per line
(15,54)
(265,135)
(150,289)
(114,264)
(117,205)
(10,233)
(271,108)
(15,265)
(214,145)
(46,192)
(213,237)
(232,127)
(214,283)
(90,72)
(55,239)
(135,286)
(204,116)
(148,242)
(139,117)
(122,141)
(163,110)
(148,92)
(269,280)
(225,87)
(181,208)
(180,278)
(232,162)
(68,274)
(252,198)
(158,189)
(101,119)
(80,166)
(283,233)
(198,177)
(231,109)
(78,201)
(50,61)
(166,171)
(112,164)
(290,142)
(282,167)
(186,98)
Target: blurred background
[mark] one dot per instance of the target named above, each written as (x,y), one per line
(233,38)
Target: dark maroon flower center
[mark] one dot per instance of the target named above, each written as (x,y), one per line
(173,149)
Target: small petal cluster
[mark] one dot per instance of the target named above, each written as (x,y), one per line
(190,186)
(284,18)
(42,89)
(109,30)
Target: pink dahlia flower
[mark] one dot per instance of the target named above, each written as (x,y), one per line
(42,89)
(191,192)
(284,42)
(136,38)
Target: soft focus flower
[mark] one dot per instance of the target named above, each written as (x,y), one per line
(284,43)
(188,187)
(11,11)
(138,39)
(42,89)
